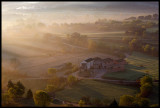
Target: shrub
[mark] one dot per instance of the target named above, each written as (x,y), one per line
(29,94)
(126,100)
(71,80)
(146,79)
(41,98)
(81,103)
(146,89)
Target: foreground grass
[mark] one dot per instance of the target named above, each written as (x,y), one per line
(133,69)
(95,89)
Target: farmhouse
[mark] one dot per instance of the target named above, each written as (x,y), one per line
(108,64)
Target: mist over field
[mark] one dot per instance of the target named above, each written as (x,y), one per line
(44,45)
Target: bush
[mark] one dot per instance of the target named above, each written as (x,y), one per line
(41,98)
(146,79)
(146,89)
(126,100)
(15,92)
(29,94)
(81,103)
(71,80)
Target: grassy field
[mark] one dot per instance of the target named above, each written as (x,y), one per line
(95,89)
(106,34)
(153,29)
(133,69)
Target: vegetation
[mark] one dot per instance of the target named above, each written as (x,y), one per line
(81,103)
(126,100)
(94,89)
(29,94)
(17,90)
(41,98)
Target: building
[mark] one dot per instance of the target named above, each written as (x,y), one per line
(86,64)
(108,64)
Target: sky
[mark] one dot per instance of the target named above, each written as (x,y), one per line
(74,12)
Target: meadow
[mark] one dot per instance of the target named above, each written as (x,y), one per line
(95,89)
(134,70)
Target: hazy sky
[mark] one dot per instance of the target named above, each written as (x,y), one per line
(61,12)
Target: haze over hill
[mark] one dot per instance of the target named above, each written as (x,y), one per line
(66,12)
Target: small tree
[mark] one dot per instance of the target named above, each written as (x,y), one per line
(20,85)
(126,100)
(41,98)
(10,84)
(147,48)
(81,103)
(146,79)
(29,94)
(146,89)
(71,80)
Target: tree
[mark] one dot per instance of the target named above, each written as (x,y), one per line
(52,71)
(146,89)
(71,80)
(153,50)
(20,85)
(147,48)
(114,104)
(126,100)
(132,44)
(81,103)
(146,79)
(15,92)
(29,94)
(41,98)
(143,102)
(10,84)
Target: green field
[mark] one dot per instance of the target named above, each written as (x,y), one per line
(106,34)
(153,29)
(133,69)
(95,89)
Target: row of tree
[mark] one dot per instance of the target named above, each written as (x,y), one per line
(141,99)
(147,17)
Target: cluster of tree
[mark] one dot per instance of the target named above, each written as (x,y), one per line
(140,100)
(95,102)
(147,17)
(58,83)
(136,45)
(15,91)
(77,39)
